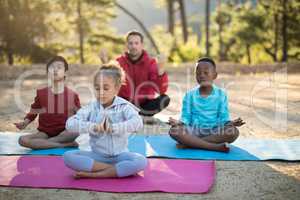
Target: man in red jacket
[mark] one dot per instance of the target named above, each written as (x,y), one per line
(146,81)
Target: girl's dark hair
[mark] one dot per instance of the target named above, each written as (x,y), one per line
(207,59)
(59,59)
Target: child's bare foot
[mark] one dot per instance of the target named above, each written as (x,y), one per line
(224,147)
(181,146)
(71,144)
(76,175)
(81,174)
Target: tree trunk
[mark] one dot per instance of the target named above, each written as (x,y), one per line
(220,30)
(183,20)
(284,32)
(143,27)
(270,52)
(80,32)
(275,37)
(10,57)
(207,23)
(248,53)
(171,16)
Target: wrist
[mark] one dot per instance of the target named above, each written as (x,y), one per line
(26,121)
(161,72)
(104,60)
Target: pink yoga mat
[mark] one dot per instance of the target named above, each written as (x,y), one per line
(178,176)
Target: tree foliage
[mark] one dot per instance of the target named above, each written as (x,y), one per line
(248,31)
(22,30)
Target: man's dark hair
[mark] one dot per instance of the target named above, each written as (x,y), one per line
(135,32)
(207,59)
(59,59)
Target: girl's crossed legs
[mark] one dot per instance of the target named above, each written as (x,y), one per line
(88,164)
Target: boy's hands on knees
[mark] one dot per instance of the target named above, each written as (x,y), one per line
(177,127)
(237,122)
(22,125)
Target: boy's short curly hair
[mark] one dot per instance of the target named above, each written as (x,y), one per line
(57,59)
(207,59)
(112,69)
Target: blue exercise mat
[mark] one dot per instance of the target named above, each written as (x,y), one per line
(164,146)
(9,145)
(242,149)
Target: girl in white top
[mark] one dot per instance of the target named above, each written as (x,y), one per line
(108,121)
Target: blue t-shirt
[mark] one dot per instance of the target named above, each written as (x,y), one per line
(205,112)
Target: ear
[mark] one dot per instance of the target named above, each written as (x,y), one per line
(215,75)
(66,74)
(118,87)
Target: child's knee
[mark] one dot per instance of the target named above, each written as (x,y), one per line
(23,141)
(232,133)
(236,133)
(68,157)
(69,135)
(72,134)
(141,162)
(173,134)
(132,166)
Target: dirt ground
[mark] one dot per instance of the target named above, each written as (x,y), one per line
(268,102)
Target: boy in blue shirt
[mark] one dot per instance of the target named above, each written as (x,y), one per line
(205,122)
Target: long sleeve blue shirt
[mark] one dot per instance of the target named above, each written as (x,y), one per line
(205,112)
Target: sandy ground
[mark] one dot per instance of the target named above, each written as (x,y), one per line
(268,102)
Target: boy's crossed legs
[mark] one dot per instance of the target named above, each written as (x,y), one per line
(216,141)
(41,140)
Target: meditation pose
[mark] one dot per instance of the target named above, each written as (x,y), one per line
(205,122)
(109,121)
(53,105)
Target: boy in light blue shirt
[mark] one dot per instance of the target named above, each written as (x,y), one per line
(205,121)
